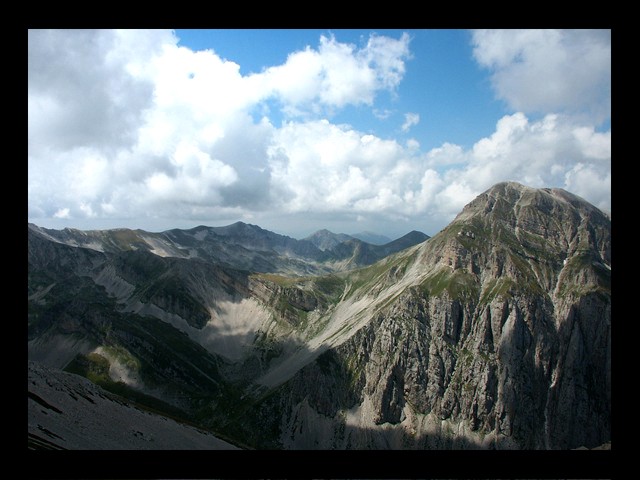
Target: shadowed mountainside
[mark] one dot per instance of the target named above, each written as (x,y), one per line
(493,334)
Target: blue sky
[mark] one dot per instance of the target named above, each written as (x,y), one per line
(297,130)
(442,83)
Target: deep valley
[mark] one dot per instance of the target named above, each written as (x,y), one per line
(493,334)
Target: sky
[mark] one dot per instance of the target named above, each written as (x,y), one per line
(385,131)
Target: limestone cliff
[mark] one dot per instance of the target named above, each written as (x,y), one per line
(501,339)
(495,333)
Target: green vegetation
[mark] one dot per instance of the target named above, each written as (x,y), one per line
(95,368)
(123,356)
(579,264)
(135,266)
(539,249)
(465,358)
(385,272)
(92,366)
(502,287)
(165,352)
(279,280)
(331,286)
(355,366)
(459,284)
(125,239)
(74,301)
(286,309)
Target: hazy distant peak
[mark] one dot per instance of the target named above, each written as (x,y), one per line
(326,240)
(371,237)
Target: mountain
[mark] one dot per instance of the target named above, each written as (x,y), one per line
(372,238)
(238,246)
(326,240)
(494,333)
(349,252)
(80,415)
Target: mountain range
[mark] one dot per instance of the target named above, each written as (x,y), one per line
(240,246)
(495,333)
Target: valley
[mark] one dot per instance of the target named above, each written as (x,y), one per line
(493,334)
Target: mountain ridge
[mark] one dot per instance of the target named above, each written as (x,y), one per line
(238,245)
(433,346)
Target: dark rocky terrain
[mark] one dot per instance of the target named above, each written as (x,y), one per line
(79,415)
(493,334)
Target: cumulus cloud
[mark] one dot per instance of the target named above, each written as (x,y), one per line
(410,119)
(130,125)
(549,70)
(323,167)
(336,74)
(80,91)
(326,168)
(446,154)
(554,151)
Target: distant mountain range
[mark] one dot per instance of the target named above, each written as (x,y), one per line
(242,246)
(372,238)
(493,334)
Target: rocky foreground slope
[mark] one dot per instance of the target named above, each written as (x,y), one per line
(495,333)
(79,415)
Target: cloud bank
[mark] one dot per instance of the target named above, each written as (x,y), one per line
(549,70)
(129,125)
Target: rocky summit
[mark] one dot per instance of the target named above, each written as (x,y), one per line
(495,333)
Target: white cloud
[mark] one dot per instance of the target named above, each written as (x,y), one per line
(590,182)
(549,70)
(325,167)
(62,213)
(447,154)
(553,151)
(129,125)
(410,119)
(80,90)
(336,74)
(413,144)
(382,114)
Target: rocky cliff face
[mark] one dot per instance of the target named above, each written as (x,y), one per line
(501,339)
(495,333)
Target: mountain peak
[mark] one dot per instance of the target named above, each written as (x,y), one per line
(532,231)
(509,305)
(505,200)
(372,238)
(326,240)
